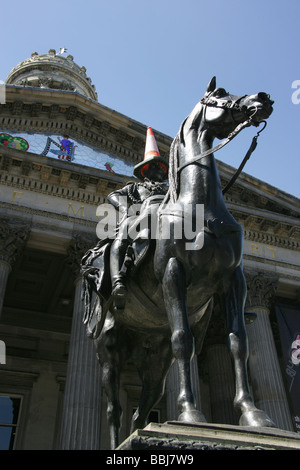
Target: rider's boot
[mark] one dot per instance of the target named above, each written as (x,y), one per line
(117,257)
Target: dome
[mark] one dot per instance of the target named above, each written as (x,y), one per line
(53,71)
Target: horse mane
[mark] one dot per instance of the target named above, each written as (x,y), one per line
(172,194)
(173,191)
(173,166)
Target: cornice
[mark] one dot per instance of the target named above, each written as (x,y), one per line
(48,111)
(49,176)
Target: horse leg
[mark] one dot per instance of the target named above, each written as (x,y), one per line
(110,379)
(153,372)
(238,346)
(174,290)
(109,358)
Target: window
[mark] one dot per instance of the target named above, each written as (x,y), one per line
(9,413)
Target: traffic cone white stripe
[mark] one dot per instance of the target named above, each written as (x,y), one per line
(151,149)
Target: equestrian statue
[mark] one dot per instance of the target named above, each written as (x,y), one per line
(150,289)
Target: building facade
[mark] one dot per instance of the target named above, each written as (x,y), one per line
(61,154)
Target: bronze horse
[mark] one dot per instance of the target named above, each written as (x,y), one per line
(171,292)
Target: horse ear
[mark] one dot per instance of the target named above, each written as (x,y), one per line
(212,85)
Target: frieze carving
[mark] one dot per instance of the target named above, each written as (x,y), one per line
(71,113)
(88,120)
(83,181)
(137,143)
(45,173)
(64,178)
(270,239)
(261,289)
(5,163)
(54,110)
(121,136)
(104,128)
(17,107)
(263,234)
(25,168)
(12,240)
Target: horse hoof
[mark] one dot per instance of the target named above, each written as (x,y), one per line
(192,416)
(256,418)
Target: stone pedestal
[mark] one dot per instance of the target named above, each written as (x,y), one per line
(175,436)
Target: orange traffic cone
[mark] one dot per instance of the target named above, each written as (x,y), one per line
(152,155)
(151,149)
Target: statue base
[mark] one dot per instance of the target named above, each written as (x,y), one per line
(177,436)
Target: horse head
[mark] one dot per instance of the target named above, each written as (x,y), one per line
(223,111)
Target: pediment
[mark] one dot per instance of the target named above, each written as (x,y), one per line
(266,213)
(253,193)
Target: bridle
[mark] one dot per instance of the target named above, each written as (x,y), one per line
(229,104)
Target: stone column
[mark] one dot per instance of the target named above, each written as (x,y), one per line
(265,374)
(12,241)
(221,384)
(80,428)
(172,388)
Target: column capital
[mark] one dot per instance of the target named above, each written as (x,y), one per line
(12,240)
(77,248)
(261,289)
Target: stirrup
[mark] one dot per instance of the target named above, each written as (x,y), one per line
(119,289)
(119,295)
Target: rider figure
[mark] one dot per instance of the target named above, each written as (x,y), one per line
(152,172)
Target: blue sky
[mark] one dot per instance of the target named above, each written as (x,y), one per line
(151,60)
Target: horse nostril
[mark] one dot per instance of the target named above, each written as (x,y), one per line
(263,96)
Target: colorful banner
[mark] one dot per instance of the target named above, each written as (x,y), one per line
(10,141)
(67,148)
(288,318)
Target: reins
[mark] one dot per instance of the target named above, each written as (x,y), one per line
(246,158)
(224,142)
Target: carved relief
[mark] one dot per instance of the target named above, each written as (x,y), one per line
(12,240)
(261,289)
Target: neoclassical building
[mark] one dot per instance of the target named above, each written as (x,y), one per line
(61,154)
